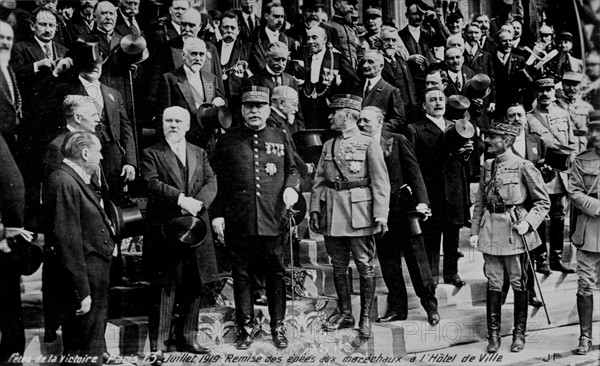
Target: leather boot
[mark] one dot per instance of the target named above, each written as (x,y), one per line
(520,320)
(585,308)
(246,329)
(367,295)
(494,314)
(343,318)
(557,228)
(541,253)
(278,335)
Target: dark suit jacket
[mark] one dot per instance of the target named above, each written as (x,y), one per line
(387,98)
(161,172)
(240,52)
(121,27)
(397,73)
(78,27)
(12,189)
(103,44)
(174,89)
(509,86)
(481,63)
(403,168)
(259,44)
(245,34)
(10,108)
(78,251)
(444,175)
(452,88)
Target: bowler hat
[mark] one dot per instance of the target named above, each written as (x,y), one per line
(256,94)
(185,230)
(131,51)
(346,101)
(478,87)
(214,117)
(309,144)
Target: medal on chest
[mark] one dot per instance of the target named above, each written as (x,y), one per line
(270,168)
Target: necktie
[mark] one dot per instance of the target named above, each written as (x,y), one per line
(250,24)
(367,88)
(458,85)
(277,80)
(48,51)
(133,27)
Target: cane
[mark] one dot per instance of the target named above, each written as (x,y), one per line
(535,277)
(292,223)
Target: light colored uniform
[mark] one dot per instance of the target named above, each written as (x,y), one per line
(579,111)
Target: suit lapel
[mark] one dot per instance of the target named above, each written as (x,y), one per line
(209,89)
(186,89)
(111,107)
(192,160)
(37,51)
(374,92)
(6,92)
(169,161)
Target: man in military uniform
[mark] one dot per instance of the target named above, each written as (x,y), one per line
(553,124)
(583,191)
(501,224)
(257,180)
(349,204)
(346,40)
(578,109)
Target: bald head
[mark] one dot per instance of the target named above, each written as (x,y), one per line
(316,39)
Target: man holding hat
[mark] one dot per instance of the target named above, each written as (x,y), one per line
(554,125)
(583,190)
(258,181)
(501,224)
(180,182)
(349,204)
(578,109)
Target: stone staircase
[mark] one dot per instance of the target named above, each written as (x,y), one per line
(462,311)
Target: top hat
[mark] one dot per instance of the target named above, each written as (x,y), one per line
(186,230)
(478,87)
(558,157)
(131,51)
(503,127)
(458,134)
(85,52)
(126,218)
(309,144)
(565,35)
(214,117)
(594,118)
(456,107)
(256,94)
(346,101)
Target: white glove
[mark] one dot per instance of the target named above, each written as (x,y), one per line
(191,205)
(522,227)
(473,240)
(218,225)
(218,102)
(424,208)
(290,197)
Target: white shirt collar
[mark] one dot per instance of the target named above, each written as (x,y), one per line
(179,149)
(373,81)
(440,122)
(87,178)
(190,73)
(319,54)
(415,32)
(503,57)
(453,75)
(176,26)
(87,84)
(472,50)
(71,128)
(42,44)
(273,36)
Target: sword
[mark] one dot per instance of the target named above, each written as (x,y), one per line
(292,223)
(537,282)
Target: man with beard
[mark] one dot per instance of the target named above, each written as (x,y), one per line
(349,205)
(420,44)
(10,102)
(347,40)
(312,10)
(249,213)
(578,109)
(106,15)
(553,124)
(191,87)
(379,93)
(408,193)
(448,192)
(373,23)
(583,190)
(249,21)
(83,20)
(179,181)
(396,70)
(271,32)
(501,223)
(126,22)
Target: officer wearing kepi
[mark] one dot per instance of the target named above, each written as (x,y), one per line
(583,190)
(349,204)
(500,222)
(258,180)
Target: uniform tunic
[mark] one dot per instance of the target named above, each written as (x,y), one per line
(578,110)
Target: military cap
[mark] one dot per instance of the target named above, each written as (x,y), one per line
(544,83)
(256,94)
(346,101)
(544,29)
(504,127)
(565,35)
(572,76)
(594,118)
(373,12)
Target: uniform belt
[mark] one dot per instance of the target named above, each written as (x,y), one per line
(498,208)
(579,133)
(339,186)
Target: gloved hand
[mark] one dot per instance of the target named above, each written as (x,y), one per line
(191,205)
(290,197)
(315,222)
(218,225)
(473,240)
(522,227)
(424,208)
(382,228)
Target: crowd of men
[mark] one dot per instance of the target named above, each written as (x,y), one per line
(98,102)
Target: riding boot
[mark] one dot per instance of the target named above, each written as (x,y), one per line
(557,228)
(585,308)
(343,318)
(520,321)
(494,314)
(367,295)
(541,252)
